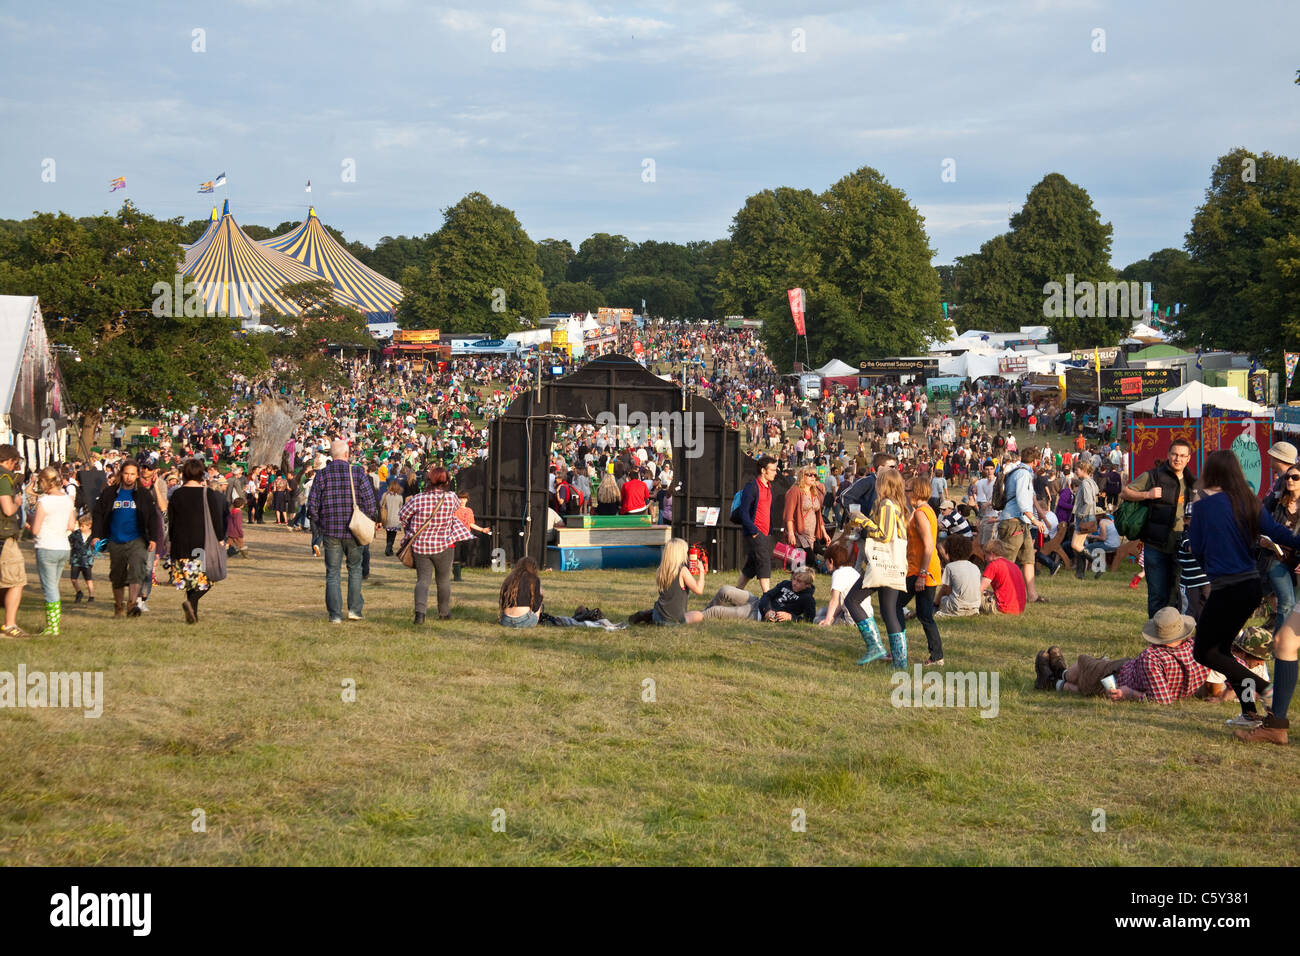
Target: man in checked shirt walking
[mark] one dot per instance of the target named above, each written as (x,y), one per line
(330,507)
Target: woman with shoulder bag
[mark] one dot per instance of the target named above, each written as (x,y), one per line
(887,524)
(429,521)
(198,517)
(1084,515)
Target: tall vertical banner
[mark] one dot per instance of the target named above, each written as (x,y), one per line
(1292,358)
(797,310)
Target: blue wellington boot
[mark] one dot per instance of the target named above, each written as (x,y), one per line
(870,637)
(898,650)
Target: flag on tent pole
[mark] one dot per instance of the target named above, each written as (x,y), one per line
(797,301)
(115,184)
(1292,359)
(206,187)
(220,180)
(309,185)
(1198,359)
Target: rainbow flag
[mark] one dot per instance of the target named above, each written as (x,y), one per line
(115,184)
(206,187)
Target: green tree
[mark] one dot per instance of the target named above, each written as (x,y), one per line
(665,297)
(394,255)
(99,282)
(576,297)
(601,260)
(988,281)
(482,274)
(1058,233)
(879,259)
(1166,270)
(773,247)
(1252,199)
(707,260)
(554,256)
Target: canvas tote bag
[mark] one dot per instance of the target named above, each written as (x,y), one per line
(362,528)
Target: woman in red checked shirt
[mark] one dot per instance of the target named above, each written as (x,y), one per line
(431,518)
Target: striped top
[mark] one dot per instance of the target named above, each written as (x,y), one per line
(1191,575)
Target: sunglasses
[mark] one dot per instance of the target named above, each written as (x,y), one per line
(1293,477)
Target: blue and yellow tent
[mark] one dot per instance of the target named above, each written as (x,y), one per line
(240,278)
(312,246)
(202,241)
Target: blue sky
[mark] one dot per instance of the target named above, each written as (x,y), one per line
(557,125)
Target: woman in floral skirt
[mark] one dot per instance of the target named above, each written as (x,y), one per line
(186,514)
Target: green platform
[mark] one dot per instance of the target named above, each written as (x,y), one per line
(607,521)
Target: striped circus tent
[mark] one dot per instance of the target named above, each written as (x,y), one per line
(313,246)
(240,277)
(202,241)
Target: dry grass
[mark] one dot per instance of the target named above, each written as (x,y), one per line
(243,717)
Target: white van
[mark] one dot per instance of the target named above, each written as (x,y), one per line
(810,386)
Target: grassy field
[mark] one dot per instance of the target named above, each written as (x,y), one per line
(243,717)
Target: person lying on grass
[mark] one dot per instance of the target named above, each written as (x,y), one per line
(1164,672)
(791,600)
(674,579)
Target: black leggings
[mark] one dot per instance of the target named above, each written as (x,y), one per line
(1227,610)
(925,614)
(888,600)
(193,597)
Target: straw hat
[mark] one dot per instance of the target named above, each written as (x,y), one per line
(1284,452)
(1168,626)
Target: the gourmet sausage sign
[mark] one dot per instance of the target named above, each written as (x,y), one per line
(1120,386)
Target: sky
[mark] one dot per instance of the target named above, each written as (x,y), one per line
(654,120)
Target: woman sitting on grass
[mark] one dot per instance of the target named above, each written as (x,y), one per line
(674,579)
(521,595)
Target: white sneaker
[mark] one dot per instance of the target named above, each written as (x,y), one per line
(1241,720)
(355,617)
(140,603)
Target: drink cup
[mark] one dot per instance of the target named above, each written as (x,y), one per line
(1108,682)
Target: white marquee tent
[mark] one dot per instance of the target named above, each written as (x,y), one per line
(1189,400)
(33,413)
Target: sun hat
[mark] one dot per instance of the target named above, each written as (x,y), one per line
(1255,641)
(1168,626)
(1284,452)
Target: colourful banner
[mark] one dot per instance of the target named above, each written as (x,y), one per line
(796,297)
(1292,359)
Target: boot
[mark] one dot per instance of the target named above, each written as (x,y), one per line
(1272,730)
(870,637)
(898,650)
(53,616)
(1080,566)
(419,617)
(119,602)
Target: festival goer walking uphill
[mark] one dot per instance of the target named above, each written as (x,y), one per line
(54,520)
(755,515)
(1227,522)
(124,515)
(430,517)
(337,489)
(1018,518)
(1168,490)
(1084,513)
(188,536)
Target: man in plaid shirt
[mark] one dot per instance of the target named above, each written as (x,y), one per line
(330,508)
(1164,672)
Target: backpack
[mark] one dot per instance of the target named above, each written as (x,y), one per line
(999,497)
(565,493)
(735,506)
(1131,516)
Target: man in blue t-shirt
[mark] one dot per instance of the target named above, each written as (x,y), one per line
(124,515)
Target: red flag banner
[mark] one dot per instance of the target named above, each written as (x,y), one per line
(797,310)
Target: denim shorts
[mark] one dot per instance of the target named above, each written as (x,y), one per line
(527,620)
